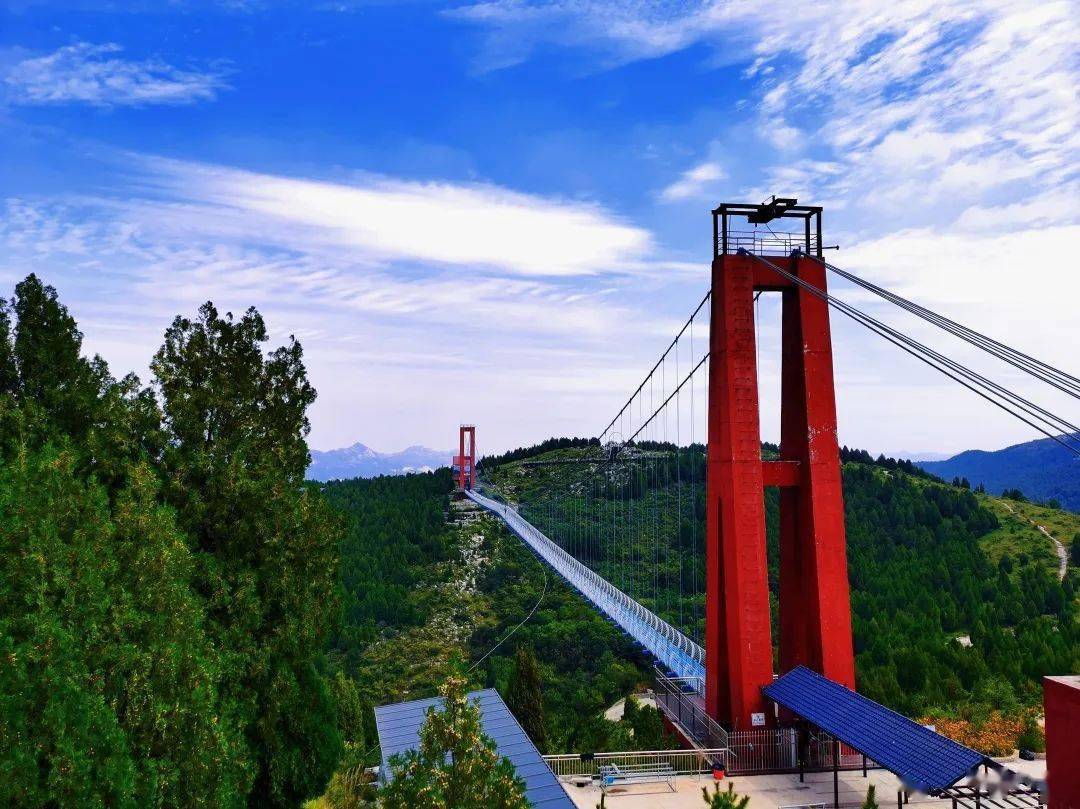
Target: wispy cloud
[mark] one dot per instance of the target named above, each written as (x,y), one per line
(86,73)
(694,182)
(383,219)
(385,331)
(931,105)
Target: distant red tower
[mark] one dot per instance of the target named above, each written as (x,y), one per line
(815,608)
(465,463)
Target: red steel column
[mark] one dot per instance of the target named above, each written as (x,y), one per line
(1061,702)
(738,643)
(461,458)
(472,457)
(793,641)
(814,594)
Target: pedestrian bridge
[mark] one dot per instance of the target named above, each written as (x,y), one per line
(671,648)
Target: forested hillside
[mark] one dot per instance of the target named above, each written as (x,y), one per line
(957,606)
(431,587)
(167,582)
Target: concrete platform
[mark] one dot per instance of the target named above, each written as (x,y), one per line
(768,791)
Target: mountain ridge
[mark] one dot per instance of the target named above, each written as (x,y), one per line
(361,461)
(1043,470)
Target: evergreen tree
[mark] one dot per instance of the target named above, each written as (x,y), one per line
(113,692)
(456,765)
(1075,550)
(266,544)
(115,682)
(724,800)
(524,697)
(871,799)
(46,350)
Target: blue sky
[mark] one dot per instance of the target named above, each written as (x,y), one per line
(497,212)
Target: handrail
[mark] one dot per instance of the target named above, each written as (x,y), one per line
(683,762)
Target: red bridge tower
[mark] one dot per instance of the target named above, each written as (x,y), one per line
(464,466)
(815,608)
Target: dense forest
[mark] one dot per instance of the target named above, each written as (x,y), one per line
(168,582)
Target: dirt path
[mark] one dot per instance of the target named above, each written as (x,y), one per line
(1063,556)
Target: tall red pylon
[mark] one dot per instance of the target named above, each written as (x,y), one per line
(464,466)
(815,609)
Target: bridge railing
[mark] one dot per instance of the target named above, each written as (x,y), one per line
(678,698)
(767,243)
(667,644)
(582,765)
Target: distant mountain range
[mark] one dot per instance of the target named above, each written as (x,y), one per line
(359,461)
(1042,470)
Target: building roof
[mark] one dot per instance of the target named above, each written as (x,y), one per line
(399,730)
(921,758)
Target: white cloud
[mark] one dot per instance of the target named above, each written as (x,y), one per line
(380,219)
(693,182)
(408,345)
(85,73)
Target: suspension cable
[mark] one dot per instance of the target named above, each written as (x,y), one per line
(1042,371)
(657,365)
(941,363)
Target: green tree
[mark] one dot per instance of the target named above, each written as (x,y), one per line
(46,366)
(870,801)
(112,692)
(1032,737)
(1075,550)
(115,684)
(456,765)
(266,544)
(524,697)
(724,800)
(647,725)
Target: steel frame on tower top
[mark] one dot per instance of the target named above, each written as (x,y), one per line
(727,239)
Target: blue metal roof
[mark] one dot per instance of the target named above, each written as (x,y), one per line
(921,758)
(399,730)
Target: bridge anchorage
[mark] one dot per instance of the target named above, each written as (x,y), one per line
(661,520)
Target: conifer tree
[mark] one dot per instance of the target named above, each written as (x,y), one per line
(524,697)
(724,800)
(267,544)
(456,765)
(871,799)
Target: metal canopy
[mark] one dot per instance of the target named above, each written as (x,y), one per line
(922,759)
(399,730)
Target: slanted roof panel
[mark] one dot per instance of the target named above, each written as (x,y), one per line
(399,730)
(920,757)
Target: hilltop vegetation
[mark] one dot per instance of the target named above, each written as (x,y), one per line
(167,582)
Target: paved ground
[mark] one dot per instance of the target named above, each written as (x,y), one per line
(771,791)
